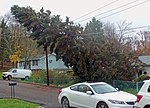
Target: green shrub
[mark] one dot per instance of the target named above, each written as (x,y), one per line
(58,78)
(142,78)
(132,91)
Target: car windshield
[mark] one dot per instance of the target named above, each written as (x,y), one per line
(10,70)
(103,88)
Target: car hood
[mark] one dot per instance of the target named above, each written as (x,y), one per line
(6,72)
(120,95)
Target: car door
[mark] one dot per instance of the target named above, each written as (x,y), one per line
(147,95)
(73,95)
(14,73)
(82,98)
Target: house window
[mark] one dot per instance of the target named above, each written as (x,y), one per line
(21,64)
(35,63)
(50,61)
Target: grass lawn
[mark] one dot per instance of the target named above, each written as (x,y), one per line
(15,103)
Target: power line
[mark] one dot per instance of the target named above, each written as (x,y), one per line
(136,28)
(95,10)
(124,9)
(116,30)
(109,10)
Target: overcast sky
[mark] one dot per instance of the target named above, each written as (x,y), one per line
(138,15)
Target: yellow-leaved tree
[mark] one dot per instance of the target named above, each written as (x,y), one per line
(15,57)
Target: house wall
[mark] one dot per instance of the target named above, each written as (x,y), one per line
(36,66)
(20,65)
(147,69)
(52,63)
(145,60)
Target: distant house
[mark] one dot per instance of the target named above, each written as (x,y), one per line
(39,62)
(146,61)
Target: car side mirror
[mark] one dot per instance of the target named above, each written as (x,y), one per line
(89,92)
(117,89)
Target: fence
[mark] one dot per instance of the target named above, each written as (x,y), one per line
(121,85)
(126,85)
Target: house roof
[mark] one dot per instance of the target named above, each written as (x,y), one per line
(36,57)
(145,59)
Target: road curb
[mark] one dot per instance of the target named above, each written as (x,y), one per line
(33,83)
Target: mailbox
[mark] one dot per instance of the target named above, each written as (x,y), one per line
(12,84)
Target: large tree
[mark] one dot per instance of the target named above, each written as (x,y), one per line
(94,29)
(88,55)
(94,58)
(5,41)
(48,30)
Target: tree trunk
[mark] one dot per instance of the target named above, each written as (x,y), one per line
(16,64)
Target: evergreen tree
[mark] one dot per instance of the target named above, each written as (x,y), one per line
(90,57)
(5,41)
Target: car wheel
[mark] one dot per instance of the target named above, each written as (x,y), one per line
(102,105)
(4,78)
(65,103)
(147,106)
(9,77)
(26,78)
(22,78)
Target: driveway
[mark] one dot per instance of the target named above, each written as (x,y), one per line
(46,96)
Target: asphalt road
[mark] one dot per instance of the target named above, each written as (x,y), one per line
(46,96)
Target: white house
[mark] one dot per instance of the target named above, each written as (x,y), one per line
(146,60)
(39,62)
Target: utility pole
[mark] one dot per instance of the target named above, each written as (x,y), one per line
(0,34)
(1,62)
(45,49)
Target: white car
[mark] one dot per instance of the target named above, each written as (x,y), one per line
(143,96)
(17,73)
(95,95)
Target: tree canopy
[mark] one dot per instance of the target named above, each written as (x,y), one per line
(5,40)
(90,56)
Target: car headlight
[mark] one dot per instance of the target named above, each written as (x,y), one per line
(116,101)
